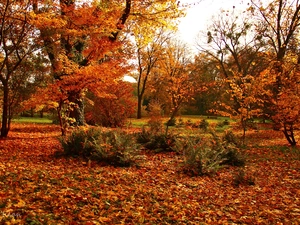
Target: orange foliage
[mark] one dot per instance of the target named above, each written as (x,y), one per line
(83,54)
(36,187)
(112,110)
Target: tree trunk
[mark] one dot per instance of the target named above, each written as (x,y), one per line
(174,113)
(5,117)
(77,108)
(61,122)
(289,134)
(244,126)
(139,107)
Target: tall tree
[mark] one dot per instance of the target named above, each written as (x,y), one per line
(207,73)
(79,40)
(176,73)
(148,55)
(16,35)
(278,23)
(238,54)
(83,42)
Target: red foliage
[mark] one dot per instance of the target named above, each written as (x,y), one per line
(112,110)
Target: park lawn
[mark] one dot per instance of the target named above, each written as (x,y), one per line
(44,120)
(38,188)
(184,118)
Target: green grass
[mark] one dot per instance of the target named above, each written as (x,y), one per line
(32,120)
(133,122)
(192,118)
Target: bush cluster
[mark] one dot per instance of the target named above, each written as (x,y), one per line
(112,147)
(188,123)
(223,123)
(207,154)
(203,125)
(80,141)
(156,139)
(202,154)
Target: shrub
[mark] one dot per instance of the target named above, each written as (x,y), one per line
(158,140)
(199,157)
(155,124)
(171,122)
(196,124)
(203,125)
(115,148)
(154,108)
(229,142)
(78,143)
(192,152)
(204,155)
(223,123)
(144,136)
(113,109)
(226,122)
(188,123)
(180,122)
(233,158)
(231,138)
(161,142)
(112,147)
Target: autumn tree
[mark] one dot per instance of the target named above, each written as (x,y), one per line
(148,55)
(150,33)
(16,45)
(237,52)
(175,71)
(84,46)
(278,23)
(207,74)
(81,43)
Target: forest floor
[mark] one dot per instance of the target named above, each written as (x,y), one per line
(38,188)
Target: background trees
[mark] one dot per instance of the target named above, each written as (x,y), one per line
(237,54)
(150,30)
(148,56)
(257,57)
(278,24)
(249,61)
(16,45)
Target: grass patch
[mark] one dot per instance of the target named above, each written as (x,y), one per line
(43,120)
(133,122)
(138,123)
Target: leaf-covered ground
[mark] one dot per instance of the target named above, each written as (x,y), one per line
(37,188)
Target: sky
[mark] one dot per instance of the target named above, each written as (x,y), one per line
(200,14)
(198,17)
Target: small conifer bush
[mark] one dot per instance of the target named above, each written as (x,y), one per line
(205,155)
(112,147)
